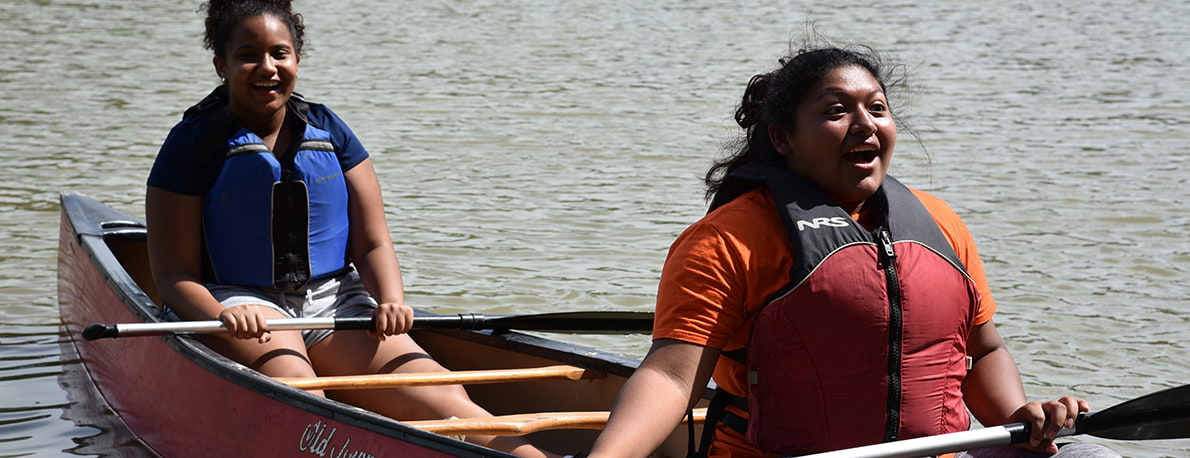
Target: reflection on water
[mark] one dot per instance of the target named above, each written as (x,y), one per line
(86,408)
(541,156)
(30,362)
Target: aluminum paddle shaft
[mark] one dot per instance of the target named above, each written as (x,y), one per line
(1161,415)
(616,322)
(935,445)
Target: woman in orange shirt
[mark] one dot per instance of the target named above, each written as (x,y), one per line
(833,306)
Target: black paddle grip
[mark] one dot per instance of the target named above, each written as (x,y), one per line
(98,331)
(355,323)
(1019,432)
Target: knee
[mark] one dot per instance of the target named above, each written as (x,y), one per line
(445,395)
(289,371)
(445,401)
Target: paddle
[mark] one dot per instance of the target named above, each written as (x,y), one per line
(612,322)
(1161,415)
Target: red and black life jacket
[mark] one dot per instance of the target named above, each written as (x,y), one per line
(867,341)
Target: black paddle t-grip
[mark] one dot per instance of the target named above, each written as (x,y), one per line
(99,331)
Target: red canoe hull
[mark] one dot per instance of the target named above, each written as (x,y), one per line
(182,400)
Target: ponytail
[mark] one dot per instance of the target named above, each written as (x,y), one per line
(751,108)
(750,117)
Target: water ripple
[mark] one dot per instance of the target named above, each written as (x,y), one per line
(541,156)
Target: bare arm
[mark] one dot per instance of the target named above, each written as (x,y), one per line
(174,253)
(994,393)
(371,248)
(653,401)
(993,389)
(175,250)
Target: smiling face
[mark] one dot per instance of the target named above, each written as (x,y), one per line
(260,66)
(841,137)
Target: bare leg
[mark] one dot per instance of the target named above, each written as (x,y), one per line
(354,353)
(1071,450)
(282,356)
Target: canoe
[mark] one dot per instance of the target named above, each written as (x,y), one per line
(180,399)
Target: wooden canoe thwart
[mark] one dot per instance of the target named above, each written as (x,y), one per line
(519,425)
(362,382)
(161,386)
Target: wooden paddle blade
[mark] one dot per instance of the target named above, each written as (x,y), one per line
(1161,415)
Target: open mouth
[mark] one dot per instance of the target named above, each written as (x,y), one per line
(861,156)
(266,86)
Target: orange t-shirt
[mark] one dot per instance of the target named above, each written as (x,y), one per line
(725,267)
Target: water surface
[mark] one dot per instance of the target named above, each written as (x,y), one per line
(539,156)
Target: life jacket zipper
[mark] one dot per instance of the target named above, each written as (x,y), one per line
(893,410)
(291,219)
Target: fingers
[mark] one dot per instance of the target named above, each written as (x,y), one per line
(246,322)
(1055,419)
(1034,414)
(1046,420)
(1073,407)
(392,319)
(250,321)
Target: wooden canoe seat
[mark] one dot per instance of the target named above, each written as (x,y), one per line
(363,382)
(521,424)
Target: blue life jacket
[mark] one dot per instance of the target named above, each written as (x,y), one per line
(277,222)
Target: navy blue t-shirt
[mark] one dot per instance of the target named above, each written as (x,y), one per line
(192,156)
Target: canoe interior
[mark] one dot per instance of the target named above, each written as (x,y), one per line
(469,350)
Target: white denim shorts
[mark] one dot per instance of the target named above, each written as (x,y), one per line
(340,296)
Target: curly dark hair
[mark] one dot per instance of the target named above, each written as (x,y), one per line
(224,15)
(772,98)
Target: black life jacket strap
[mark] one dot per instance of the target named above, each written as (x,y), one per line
(739,355)
(717,413)
(736,422)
